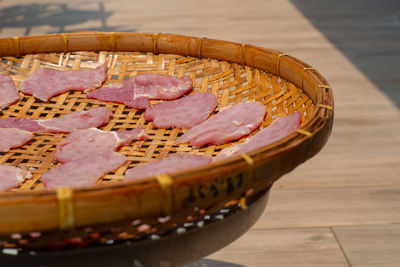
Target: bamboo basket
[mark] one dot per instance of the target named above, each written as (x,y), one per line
(233,72)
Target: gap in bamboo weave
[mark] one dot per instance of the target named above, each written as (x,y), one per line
(230,82)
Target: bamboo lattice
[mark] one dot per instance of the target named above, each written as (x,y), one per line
(232,83)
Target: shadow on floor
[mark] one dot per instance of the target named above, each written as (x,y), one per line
(55,15)
(367,32)
(212,263)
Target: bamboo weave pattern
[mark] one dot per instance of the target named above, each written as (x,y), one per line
(231,83)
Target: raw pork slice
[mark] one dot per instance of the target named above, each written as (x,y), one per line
(229,124)
(12,137)
(154,86)
(278,129)
(26,124)
(83,143)
(93,117)
(82,172)
(182,113)
(45,83)
(8,91)
(11,176)
(120,94)
(169,164)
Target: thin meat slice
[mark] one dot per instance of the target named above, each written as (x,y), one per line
(126,137)
(136,91)
(154,86)
(8,92)
(26,124)
(278,129)
(120,94)
(12,137)
(182,113)
(11,176)
(82,172)
(229,124)
(44,83)
(83,143)
(169,164)
(93,117)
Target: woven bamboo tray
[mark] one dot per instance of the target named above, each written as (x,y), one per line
(233,72)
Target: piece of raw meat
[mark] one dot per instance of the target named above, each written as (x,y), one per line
(168,164)
(13,137)
(93,117)
(44,83)
(26,124)
(8,91)
(278,129)
(82,172)
(229,124)
(120,94)
(92,141)
(136,91)
(11,176)
(154,86)
(183,113)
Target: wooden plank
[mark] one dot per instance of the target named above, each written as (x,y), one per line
(371,245)
(288,247)
(326,171)
(331,207)
(364,150)
(212,263)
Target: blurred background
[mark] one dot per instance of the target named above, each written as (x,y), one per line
(341,208)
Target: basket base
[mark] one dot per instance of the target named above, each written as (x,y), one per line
(173,250)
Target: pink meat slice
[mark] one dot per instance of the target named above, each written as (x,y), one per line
(278,129)
(45,83)
(230,124)
(8,92)
(169,164)
(93,117)
(120,94)
(182,113)
(83,143)
(26,124)
(13,137)
(82,172)
(154,86)
(11,176)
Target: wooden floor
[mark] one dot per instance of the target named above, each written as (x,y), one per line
(341,208)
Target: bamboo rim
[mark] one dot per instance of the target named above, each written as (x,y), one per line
(258,169)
